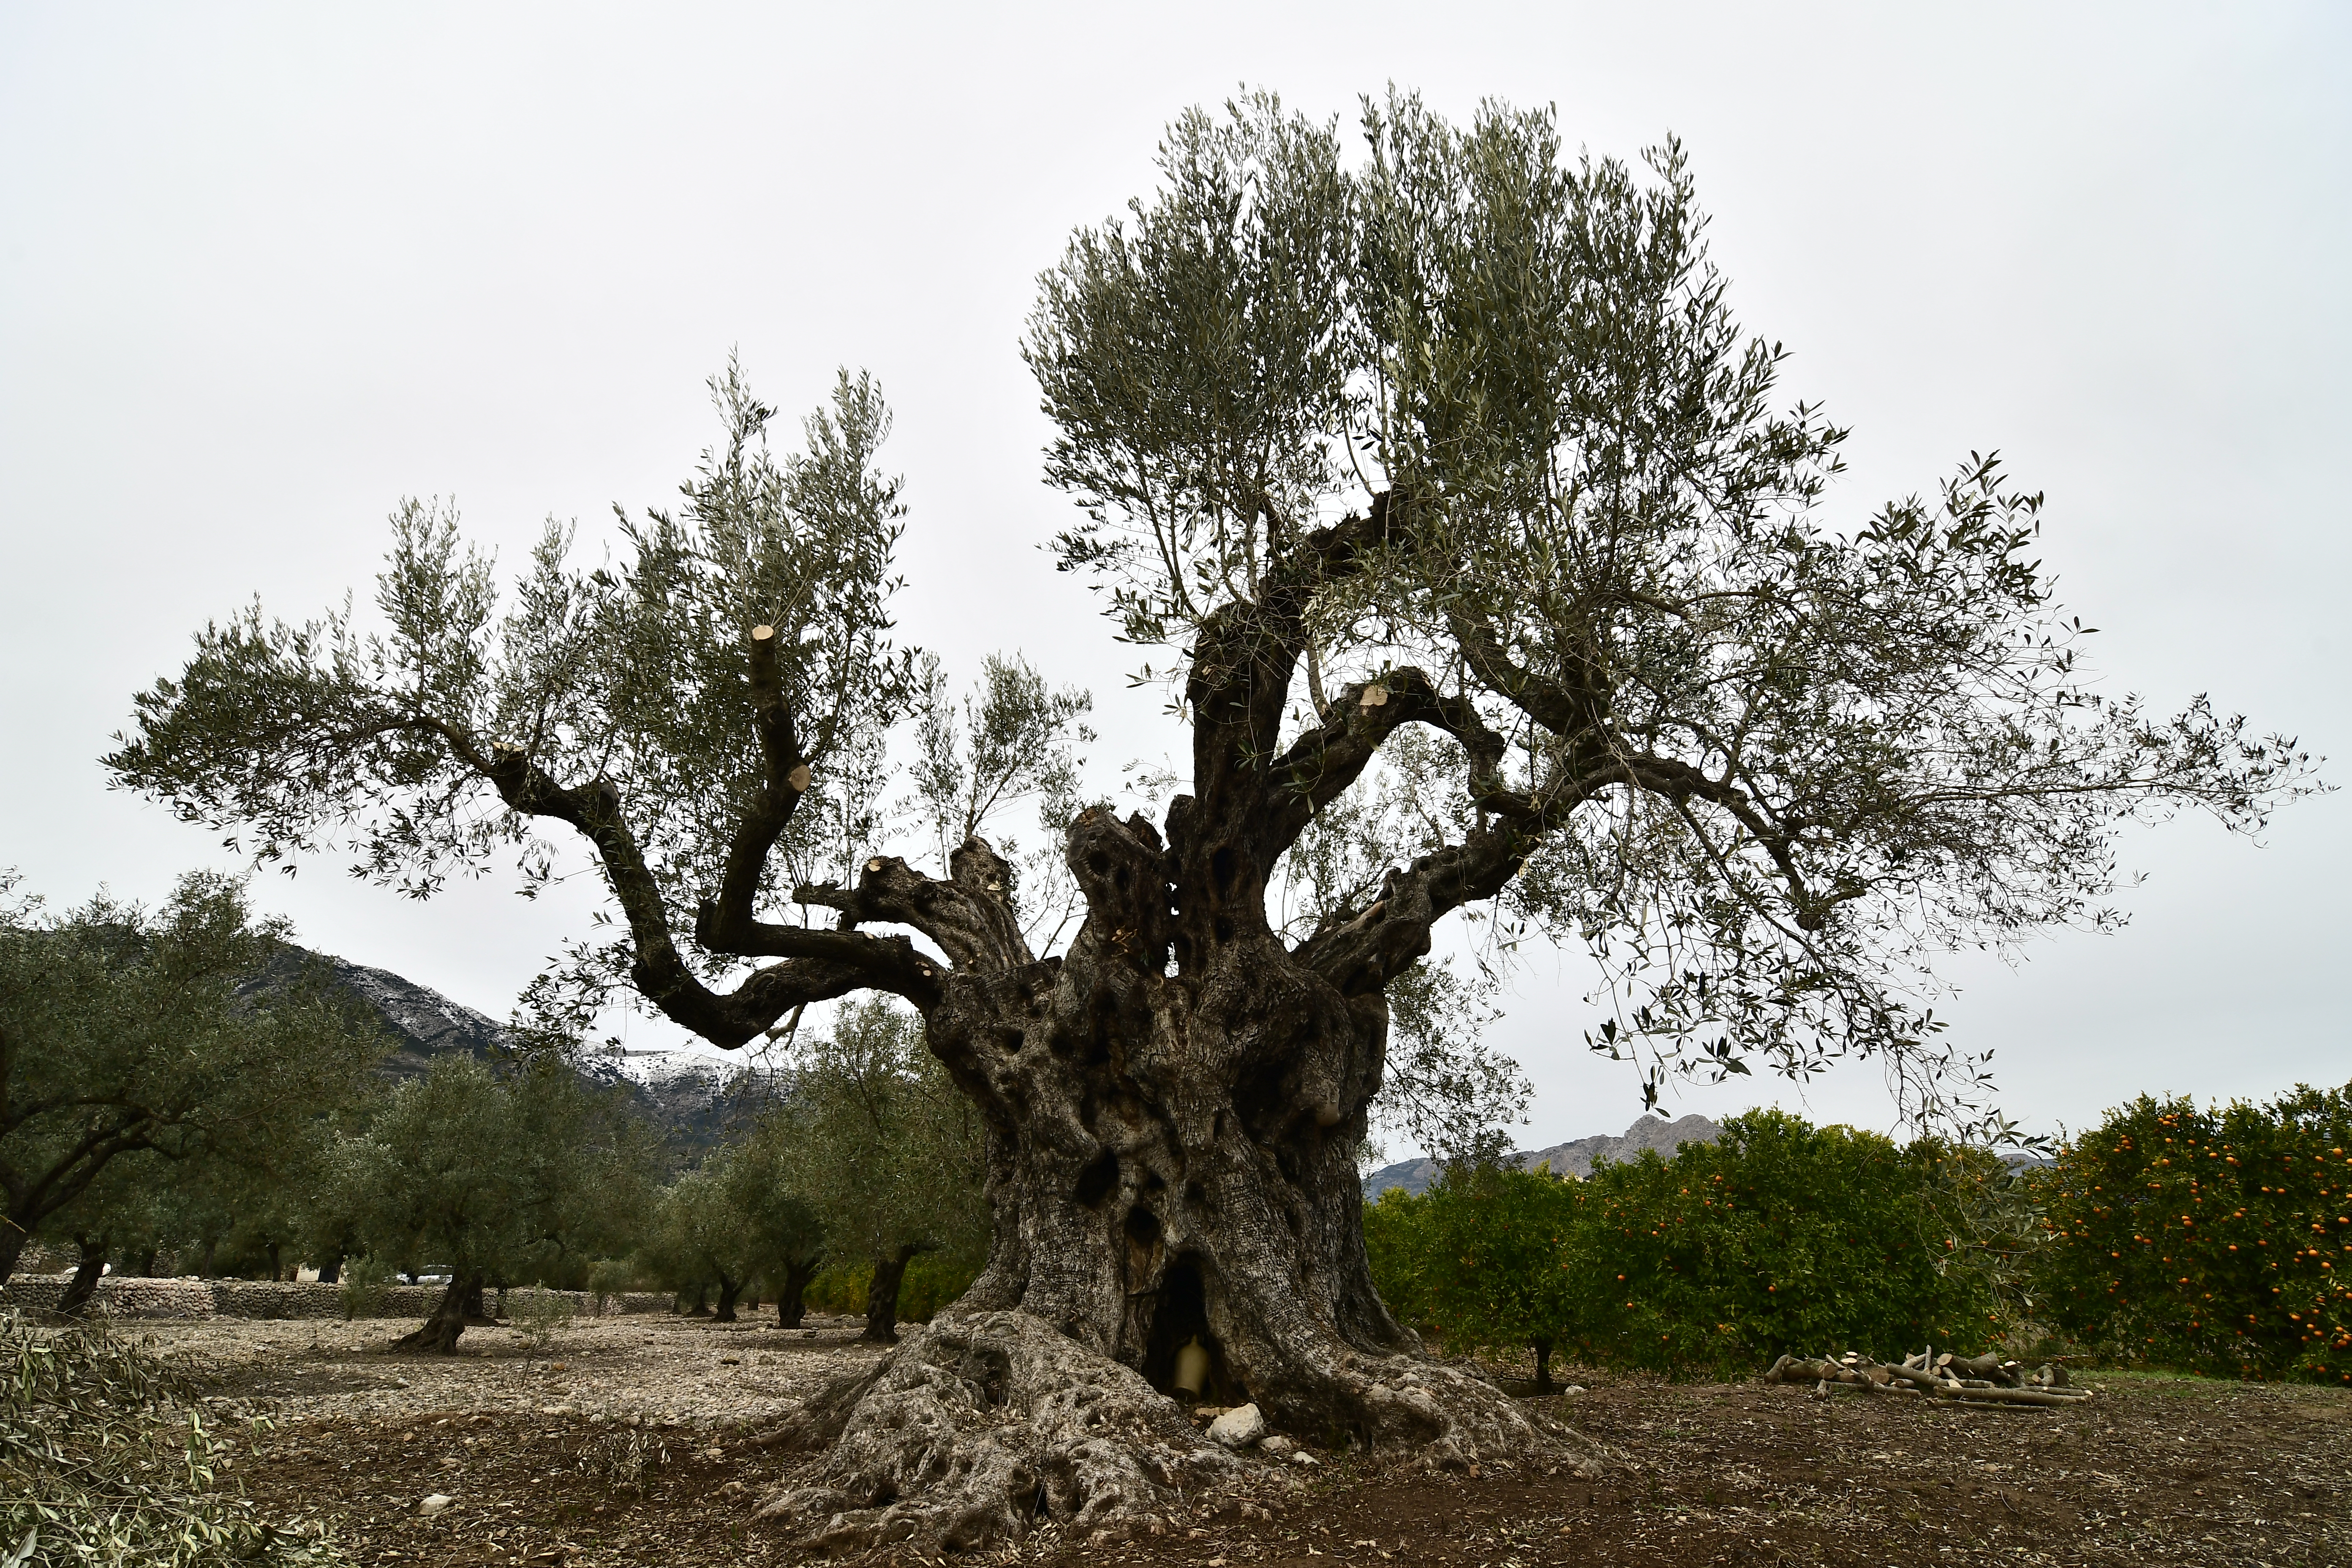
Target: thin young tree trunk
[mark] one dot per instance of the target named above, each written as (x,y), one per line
(791,1291)
(88,1272)
(882,1296)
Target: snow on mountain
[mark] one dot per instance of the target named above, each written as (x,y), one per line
(686,1094)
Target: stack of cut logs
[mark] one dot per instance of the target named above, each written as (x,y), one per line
(1976,1380)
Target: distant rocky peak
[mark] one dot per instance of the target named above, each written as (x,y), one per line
(683,1093)
(1575,1159)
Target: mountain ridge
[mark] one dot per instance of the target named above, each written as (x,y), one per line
(1575,1158)
(686,1096)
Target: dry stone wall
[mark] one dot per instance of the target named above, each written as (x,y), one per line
(127,1297)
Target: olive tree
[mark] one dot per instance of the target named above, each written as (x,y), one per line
(131,1033)
(498,1171)
(1440,482)
(884,1148)
(698,1238)
(784,1234)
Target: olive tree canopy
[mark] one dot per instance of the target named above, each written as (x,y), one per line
(501,1171)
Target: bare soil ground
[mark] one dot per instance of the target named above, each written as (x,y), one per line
(623,1445)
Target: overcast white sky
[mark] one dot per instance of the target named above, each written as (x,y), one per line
(263,271)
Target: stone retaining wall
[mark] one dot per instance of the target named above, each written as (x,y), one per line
(131,1297)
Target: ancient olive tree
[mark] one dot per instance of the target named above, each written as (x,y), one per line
(1442,480)
(133,1034)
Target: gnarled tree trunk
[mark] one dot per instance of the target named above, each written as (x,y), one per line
(1174,1109)
(728,1290)
(89,1267)
(791,1288)
(882,1296)
(460,1304)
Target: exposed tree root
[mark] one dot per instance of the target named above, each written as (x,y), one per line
(979,1428)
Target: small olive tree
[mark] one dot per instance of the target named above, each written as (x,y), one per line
(514,1170)
(885,1150)
(784,1234)
(698,1238)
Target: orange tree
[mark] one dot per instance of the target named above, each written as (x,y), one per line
(2217,1239)
(1483,1258)
(1779,1236)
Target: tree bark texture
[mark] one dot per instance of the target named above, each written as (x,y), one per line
(728,1290)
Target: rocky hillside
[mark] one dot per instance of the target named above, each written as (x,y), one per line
(685,1095)
(1572,1159)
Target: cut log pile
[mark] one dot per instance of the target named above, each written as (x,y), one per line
(1967,1380)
